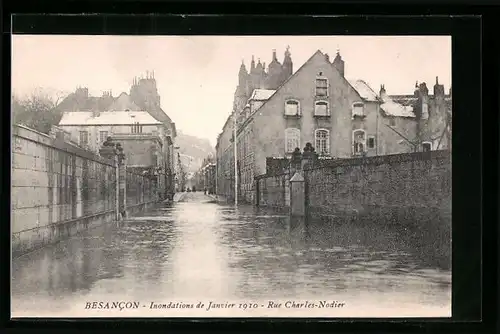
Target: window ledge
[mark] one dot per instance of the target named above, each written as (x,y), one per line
(322,116)
(292,116)
(358,116)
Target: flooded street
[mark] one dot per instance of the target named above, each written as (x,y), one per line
(198,250)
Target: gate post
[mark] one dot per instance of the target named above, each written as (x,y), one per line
(297,195)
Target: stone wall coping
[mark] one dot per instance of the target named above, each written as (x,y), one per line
(382,159)
(59,144)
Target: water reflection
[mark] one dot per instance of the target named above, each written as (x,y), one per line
(199,249)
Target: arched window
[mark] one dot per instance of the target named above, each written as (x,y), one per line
(292,139)
(321,108)
(322,139)
(358,141)
(292,108)
(426,146)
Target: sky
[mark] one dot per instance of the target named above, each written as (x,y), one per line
(197,75)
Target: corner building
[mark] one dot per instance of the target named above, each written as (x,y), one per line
(341,118)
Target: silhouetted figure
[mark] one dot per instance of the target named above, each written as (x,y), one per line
(205,191)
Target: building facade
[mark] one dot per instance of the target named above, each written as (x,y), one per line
(205,178)
(143,98)
(341,118)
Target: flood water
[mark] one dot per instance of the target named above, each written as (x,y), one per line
(199,251)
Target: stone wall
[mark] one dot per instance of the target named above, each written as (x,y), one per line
(273,191)
(393,187)
(399,184)
(58,189)
(140,188)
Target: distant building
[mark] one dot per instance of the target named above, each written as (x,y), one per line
(205,177)
(342,118)
(142,100)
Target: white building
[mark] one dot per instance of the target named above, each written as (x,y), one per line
(90,129)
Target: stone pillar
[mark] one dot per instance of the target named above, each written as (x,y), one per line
(297,195)
(122,172)
(108,151)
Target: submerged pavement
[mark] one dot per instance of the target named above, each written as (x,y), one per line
(198,251)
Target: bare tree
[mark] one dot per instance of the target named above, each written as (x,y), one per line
(37,110)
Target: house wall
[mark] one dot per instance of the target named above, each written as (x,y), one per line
(225,162)
(94,132)
(369,123)
(389,141)
(141,150)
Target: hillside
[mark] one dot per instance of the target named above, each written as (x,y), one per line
(193,150)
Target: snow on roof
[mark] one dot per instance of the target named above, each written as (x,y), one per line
(364,90)
(108,118)
(262,94)
(392,108)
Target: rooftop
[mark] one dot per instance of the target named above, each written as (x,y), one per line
(392,108)
(108,118)
(364,90)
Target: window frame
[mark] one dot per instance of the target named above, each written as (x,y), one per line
(105,137)
(368,141)
(427,143)
(363,142)
(327,108)
(87,139)
(362,109)
(136,128)
(294,101)
(316,86)
(289,131)
(327,141)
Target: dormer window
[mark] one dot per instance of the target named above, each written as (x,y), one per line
(321,108)
(292,108)
(321,87)
(358,109)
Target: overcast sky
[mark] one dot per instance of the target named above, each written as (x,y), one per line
(197,75)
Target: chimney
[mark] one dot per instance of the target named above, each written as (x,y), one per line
(423,89)
(438,89)
(339,63)
(327,57)
(382,92)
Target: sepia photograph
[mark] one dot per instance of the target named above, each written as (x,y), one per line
(231,176)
